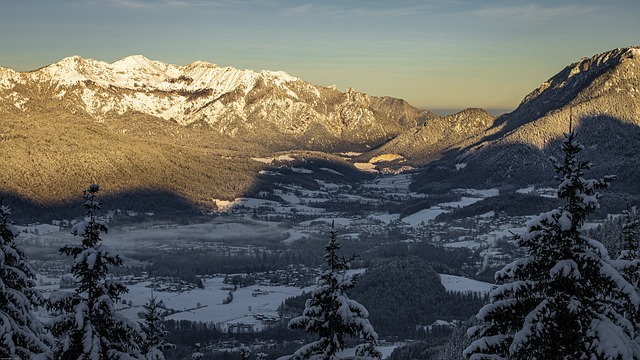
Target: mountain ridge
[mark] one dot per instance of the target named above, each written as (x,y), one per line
(188,130)
(235,103)
(596,96)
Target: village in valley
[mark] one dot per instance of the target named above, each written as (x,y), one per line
(264,228)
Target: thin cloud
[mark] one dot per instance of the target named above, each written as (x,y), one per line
(131,4)
(534,12)
(342,9)
(300,9)
(370,9)
(440,7)
(154,4)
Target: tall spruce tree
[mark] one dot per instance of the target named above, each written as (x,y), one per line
(22,335)
(565,299)
(89,327)
(332,315)
(153,343)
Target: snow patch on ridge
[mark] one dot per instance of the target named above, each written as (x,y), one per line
(137,72)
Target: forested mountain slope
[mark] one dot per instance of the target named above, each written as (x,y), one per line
(597,97)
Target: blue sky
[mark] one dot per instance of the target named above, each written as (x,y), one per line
(435,54)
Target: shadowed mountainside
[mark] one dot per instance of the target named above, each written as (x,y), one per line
(597,96)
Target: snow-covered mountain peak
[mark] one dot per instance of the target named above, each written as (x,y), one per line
(279,75)
(6,77)
(133,61)
(69,70)
(231,100)
(139,73)
(200,64)
(137,64)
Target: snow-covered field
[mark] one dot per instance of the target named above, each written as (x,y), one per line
(248,306)
(461,284)
(207,304)
(426,215)
(423,216)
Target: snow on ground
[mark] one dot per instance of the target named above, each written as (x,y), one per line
(385,218)
(489,214)
(431,213)
(358,198)
(311,200)
(544,192)
(528,190)
(309,210)
(301,170)
(506,232)
(37,229)
(351,352)
(462,284)
(337,221)
(331,171)
(288,197)
(464,201)
(469,244)
(480,192)
(351,236)
(327,185)
(256,203)
(395,182)
(241,309)
(272,159)
(424,215)
(270,173)
(551,193)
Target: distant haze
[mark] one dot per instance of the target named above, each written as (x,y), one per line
(493,112)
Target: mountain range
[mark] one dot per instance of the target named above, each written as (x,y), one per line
(195,131)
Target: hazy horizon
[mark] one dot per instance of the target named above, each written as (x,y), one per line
(435,54)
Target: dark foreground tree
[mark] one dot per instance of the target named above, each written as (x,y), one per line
(154,333)
(22,335)
(89,327)
(565,299)
(331,315)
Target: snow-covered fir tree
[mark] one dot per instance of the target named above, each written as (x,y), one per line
(153,344)
(332,315)
(564,299)
(628,263)
(89,327)
(22,335)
